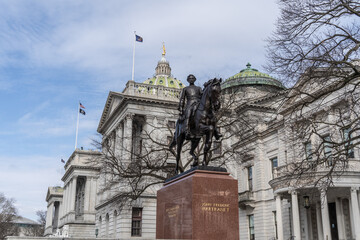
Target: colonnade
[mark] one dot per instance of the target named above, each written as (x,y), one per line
(322,216)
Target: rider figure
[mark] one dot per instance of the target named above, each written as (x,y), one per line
(192,94)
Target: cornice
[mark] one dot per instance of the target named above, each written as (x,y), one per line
(127,99)
(118,196)
(74,167)
(78,151)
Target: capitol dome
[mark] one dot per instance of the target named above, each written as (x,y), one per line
(163,75)
(251,77)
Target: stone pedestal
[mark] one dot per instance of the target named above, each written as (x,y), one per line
(200,204)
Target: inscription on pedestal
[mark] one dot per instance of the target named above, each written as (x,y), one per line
(215,207)
(172,211)
(201,205)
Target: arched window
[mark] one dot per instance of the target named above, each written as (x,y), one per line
(107,225)
(99,225)
(115,223)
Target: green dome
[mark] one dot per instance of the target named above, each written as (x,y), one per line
(251,76)
(165,81)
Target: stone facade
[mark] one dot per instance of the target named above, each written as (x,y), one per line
(72,214)
(269,207)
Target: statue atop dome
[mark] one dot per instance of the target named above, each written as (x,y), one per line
(162,76)
(164,51)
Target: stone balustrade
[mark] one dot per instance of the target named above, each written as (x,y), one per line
(352,165)
(151,91)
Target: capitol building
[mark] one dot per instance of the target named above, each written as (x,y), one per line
(262,149)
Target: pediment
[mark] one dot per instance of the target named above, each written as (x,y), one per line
(112,102)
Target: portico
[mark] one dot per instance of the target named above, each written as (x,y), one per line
(326,216)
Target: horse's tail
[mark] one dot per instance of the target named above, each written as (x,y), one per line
(176,135)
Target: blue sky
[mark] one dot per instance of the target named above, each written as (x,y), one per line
(55,53)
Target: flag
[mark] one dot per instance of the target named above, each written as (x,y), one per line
(82,106)
(138,38)
(82,111)
(62,160)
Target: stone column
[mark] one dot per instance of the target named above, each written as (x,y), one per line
(295,214)
(340,218)
(68,187)
(67,205)
(279,223)
(49,215)
(351,219)
(127,137)
(118,140)
(325,215)
(72,193)
(87,195)
(93,193)
(319,222)
(356,212)
(309,224)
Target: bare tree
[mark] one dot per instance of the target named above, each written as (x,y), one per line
(8,214)
(39,230)
(315,51)
(131,171)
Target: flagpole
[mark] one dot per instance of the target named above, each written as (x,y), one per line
(133,66)
(77,125)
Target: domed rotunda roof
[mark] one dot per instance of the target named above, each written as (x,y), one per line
(163,75)
(251,76)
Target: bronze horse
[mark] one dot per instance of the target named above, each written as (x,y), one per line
(202,122)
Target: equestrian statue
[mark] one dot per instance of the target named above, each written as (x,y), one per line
(197,110)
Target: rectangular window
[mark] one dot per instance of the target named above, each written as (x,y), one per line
(251,227)
(274,164)
(327,150)
(136,222)
(250,178)
(348,142)
(275,224)
(217,148)
(308,151)
(171,124)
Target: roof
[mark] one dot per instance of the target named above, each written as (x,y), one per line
(162,76)
(251,76)
(165,81)
(22,220)
(54,191)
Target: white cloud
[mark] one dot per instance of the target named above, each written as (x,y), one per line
(26,179)
(200,35)
(62,50)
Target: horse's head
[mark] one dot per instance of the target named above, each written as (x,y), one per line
(214,90)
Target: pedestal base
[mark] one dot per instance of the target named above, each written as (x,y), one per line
(198,205)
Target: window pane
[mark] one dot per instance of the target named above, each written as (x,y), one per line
(251,227)
(274,162)
(250,173)
(136,222)
(347,137)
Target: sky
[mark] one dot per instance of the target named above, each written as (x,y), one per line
(54,54)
